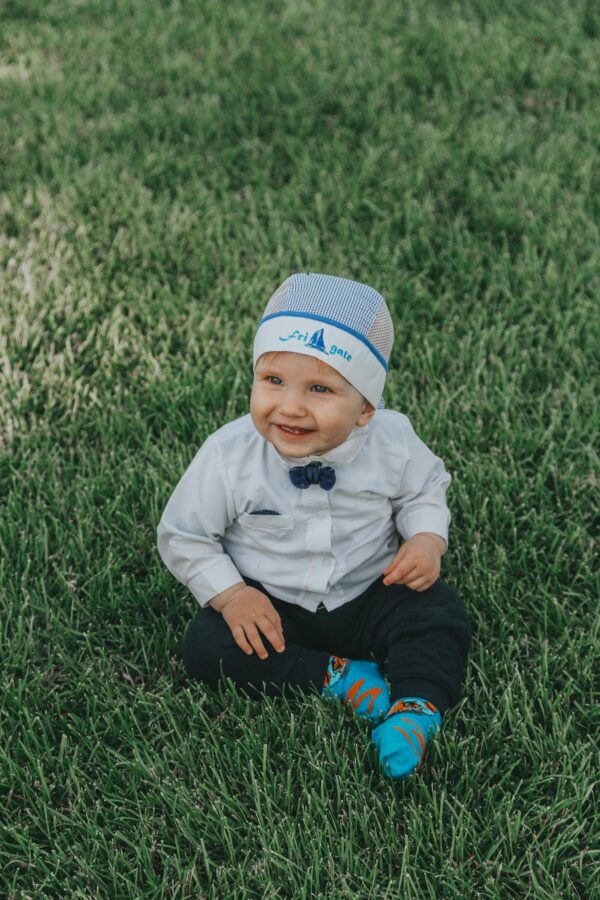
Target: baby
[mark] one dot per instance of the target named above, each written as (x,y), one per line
(285,527)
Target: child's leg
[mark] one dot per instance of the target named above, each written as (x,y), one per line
(428,637)
(208,646)
(425,637)
(427,640)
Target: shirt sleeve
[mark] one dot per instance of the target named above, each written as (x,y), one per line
(194,520)
(421,501)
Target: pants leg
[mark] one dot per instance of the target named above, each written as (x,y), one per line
(425,636)
(209,649)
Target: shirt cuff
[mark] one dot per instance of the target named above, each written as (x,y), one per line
(215,580)
(424,520)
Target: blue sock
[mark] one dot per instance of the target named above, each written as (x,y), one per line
(358,683)
(401,740)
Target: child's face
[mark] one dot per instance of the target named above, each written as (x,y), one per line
(301,393)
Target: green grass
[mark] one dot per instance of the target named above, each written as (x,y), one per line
(163,166)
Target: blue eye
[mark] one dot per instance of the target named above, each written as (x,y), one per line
(274,379)
(320,388)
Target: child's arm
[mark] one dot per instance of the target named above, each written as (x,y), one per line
(199,511)
(421,515)
(196,516)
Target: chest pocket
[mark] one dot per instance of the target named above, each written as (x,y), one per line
(272,523)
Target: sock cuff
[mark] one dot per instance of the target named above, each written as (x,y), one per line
(424,690)
(337,669)
(413,705)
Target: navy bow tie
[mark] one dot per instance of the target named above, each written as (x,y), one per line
(304,476)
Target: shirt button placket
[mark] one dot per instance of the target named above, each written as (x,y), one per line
(318,537)
(324,517)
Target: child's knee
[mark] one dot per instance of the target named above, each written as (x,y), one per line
(200,664)
(460,618)
(439,608)
(449,610)
(204,647)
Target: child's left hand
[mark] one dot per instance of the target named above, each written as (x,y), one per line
(417,562)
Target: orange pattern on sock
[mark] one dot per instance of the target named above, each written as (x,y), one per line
(397,727)
(354,700)
(417,733)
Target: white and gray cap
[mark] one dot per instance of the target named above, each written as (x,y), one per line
(345,323)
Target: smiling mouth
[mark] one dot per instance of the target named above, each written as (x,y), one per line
(295,432)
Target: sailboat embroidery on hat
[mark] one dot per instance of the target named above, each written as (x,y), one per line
(317,342)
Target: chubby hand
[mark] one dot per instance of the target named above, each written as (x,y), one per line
(246,612)
(417,562)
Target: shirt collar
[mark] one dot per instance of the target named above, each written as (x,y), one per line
(343,453)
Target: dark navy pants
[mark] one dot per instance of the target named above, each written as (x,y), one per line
(421,638)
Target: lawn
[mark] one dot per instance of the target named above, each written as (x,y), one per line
(163,167)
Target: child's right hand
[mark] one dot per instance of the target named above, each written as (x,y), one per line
(246,612)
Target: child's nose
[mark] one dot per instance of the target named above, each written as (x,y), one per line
(292,403)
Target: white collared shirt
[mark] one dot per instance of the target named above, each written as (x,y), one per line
(311,545)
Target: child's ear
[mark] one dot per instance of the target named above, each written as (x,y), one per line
(367,413)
